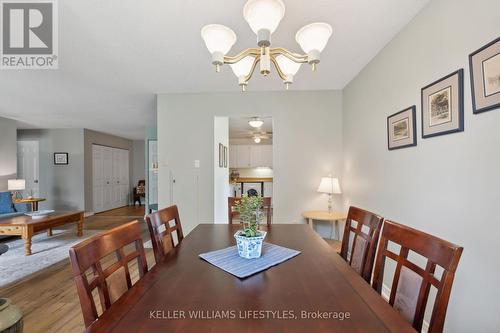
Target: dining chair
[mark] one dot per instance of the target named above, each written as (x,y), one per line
(113,280)
(161,231)
(411,283)
(266,207)
(364,228)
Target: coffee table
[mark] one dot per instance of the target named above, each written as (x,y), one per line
(26,227)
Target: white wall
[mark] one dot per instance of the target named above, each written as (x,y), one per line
(138,162)
(448,185)
(221,175)
(8,151)
(307,143)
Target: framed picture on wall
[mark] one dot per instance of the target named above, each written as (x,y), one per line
(484,67)
(61,159)
(225,156)
(443,105)
(402,129)
(221,155)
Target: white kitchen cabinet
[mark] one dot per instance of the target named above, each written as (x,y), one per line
(243,157)
(250,156)
(268,189)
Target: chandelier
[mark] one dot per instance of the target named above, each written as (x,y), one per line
(263,16)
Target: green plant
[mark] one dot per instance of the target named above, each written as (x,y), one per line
(250,214)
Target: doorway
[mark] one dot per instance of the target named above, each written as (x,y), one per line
(28,166)
(243,160)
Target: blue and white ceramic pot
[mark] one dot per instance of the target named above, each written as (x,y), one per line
(249,247)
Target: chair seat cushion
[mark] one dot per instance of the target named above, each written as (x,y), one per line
(6,206)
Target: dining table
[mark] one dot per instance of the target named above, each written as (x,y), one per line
(316,291)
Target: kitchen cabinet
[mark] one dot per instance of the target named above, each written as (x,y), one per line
(250,156)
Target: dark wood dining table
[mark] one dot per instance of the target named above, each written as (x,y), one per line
(315,291)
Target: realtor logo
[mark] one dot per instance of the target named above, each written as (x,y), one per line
(29,34)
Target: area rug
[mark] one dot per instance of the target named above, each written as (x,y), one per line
(46,251)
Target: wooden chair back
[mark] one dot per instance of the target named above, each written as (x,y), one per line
(411,283)
(112,281)
(161,231)
(366,232)
(266,207)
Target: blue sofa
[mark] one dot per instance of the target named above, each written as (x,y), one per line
(16,209)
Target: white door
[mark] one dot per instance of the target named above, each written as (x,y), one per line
(116,176)
(124,178)
(28,166)
(107,168)
(98,178)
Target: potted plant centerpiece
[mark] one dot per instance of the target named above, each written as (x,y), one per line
(249,240)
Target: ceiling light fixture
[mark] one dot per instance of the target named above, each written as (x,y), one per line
(264,16)
(256,139)
(256,122)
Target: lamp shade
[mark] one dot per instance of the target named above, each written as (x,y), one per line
(329,185)
(218,38)
(314,36)
(263,14)
(16,184)
(288,66)
(242,67)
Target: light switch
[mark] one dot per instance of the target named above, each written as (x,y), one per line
(196,163)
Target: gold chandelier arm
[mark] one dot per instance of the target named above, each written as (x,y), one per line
(254,65)
(278,69)
(245,53)
(298,58)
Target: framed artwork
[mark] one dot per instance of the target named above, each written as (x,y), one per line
(61,159)
(402,129)
(225,156)
(443,105)
(484,65)
(221,155)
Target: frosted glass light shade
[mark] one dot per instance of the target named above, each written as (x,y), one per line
(16,184)
(255,122)
(218,38)
(242,67)
(313,36)
(288,67)
(329,185)
(263,14)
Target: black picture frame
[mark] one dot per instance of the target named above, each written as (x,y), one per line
(59,161)
(221,155)
(475,109)
(413,110)
(460,128)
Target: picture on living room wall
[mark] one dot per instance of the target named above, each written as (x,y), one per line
(484,67)
(221,155)
(443,105)
(61,159)
(402,129)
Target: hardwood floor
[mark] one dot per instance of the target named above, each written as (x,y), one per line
(48,299)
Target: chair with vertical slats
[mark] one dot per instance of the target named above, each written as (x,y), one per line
(112,281)
(161,231)
(411,283)
(365,228)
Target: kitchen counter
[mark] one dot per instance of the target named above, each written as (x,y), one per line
(253,180)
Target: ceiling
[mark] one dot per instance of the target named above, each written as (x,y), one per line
(115,55)
(242,133)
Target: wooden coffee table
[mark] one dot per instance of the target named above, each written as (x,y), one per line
(26,227)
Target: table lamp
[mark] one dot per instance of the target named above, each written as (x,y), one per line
(16,185)
(330,186)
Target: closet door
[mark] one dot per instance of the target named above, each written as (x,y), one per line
(124,178)
(108,177)
(117,165)
(98,179)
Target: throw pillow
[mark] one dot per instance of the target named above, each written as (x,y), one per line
(6,206)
